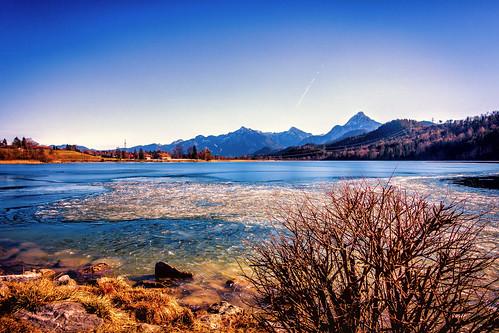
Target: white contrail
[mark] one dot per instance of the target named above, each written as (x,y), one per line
(307,88)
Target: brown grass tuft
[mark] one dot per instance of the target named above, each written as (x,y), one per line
(32,294)
(113,299)
(113,285)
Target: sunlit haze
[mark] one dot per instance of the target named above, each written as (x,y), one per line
(96,73)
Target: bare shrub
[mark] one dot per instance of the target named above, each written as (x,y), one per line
(372,259)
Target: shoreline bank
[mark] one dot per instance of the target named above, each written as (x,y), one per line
(43,300)
(21,162)
(27,162)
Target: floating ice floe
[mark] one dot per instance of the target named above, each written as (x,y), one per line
(247,203)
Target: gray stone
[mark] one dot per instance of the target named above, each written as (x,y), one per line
(149,328)
(28,276)
(90,273)
(224,308)
(154,284)
(65,280)
(62,317)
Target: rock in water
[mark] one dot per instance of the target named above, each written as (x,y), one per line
(164,271)
(229,284)
(154,284)
(99,268)
(90,273)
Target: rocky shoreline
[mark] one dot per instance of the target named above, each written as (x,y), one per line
(91,298)
(207,285)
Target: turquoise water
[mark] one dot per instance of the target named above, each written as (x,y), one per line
(200,216)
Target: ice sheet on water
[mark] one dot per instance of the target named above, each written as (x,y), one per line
(473,200)
(248,203)
(196,214)
(129,200)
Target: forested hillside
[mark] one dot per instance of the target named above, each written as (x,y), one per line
(473,138)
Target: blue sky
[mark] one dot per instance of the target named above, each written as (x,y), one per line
(97,72)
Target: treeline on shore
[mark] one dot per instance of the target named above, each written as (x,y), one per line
(473,138)
(24,149)
(28,149)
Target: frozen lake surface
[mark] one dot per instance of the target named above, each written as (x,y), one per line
(199,216)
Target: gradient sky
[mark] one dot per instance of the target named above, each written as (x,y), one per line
(94,73)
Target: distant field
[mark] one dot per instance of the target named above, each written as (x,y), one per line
(73,156)
(34,156)
(23,156)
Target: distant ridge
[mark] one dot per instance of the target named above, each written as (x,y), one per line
(358,124)
(246,141)
(80,148)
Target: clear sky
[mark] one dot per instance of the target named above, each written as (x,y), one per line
(95,73)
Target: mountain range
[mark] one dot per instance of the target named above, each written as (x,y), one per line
(473,138)
(247,141)
(244,141)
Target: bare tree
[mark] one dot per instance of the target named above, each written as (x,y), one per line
(373,259)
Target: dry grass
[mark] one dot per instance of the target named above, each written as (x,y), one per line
(32,294)
(144,305)
(29,156)
(72,156)
(122,307)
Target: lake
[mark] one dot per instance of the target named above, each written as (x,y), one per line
(198,216)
